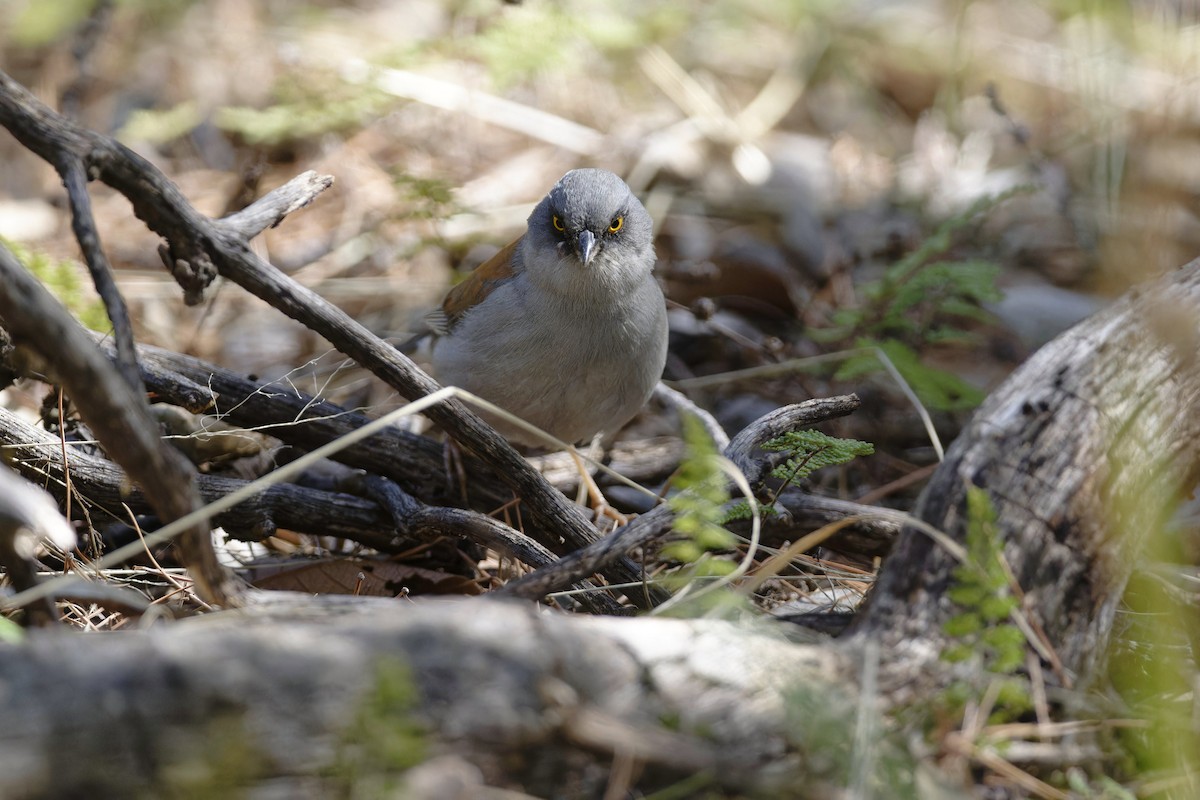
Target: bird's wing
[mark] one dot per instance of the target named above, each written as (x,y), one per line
(474,289)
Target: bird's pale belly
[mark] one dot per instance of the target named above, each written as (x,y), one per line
(570,398)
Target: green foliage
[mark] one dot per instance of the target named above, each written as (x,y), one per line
(719,603)
(935,387)
(226,764)
(526,41)
(159,127)
(703,509)
(384,740)
(983,629)
(40,23)
(534,40)
(823,726)
(701,786)
(912,300)
(741,510)
(63,280)
(1153,668)
(699,505)
(923,299)
(37,22)
(810,451)
(699,509)
(1100,788)
(10,632)
(627,29)
(429,198)
(1152,663)
(312,108)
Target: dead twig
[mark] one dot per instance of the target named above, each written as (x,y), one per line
(656,525)
(116,413)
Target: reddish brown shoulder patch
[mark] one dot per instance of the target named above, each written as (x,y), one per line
(480,283)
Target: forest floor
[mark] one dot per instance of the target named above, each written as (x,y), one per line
(898,200)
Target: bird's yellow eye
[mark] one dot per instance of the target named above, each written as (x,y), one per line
(616,224)
(558,226)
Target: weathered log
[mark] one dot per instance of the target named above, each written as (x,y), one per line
(1084,452)
(303,709)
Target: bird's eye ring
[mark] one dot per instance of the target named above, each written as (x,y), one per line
(558,226)
(616,224)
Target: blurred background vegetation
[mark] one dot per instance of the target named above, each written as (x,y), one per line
(791,151)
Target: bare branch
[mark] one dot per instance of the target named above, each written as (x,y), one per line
(83,223)
(656,525)
(116,413)
(271,209)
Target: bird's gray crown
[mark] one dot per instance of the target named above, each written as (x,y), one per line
(591,199)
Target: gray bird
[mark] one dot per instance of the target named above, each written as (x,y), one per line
(566,326)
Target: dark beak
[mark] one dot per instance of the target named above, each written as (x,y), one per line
(586,246)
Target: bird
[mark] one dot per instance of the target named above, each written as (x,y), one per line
(565,327)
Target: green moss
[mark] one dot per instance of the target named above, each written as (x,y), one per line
(224,763)
(384,740)
(823,722)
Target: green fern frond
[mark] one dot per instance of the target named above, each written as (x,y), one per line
(923,298)
(699,505)
(811,451)
(936,388)
(983,628)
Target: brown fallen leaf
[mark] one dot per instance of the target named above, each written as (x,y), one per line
(365,577)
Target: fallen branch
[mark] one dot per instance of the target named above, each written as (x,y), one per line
(116,413)
(656,525)
(387,527)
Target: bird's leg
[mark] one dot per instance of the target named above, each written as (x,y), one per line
(588,487)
